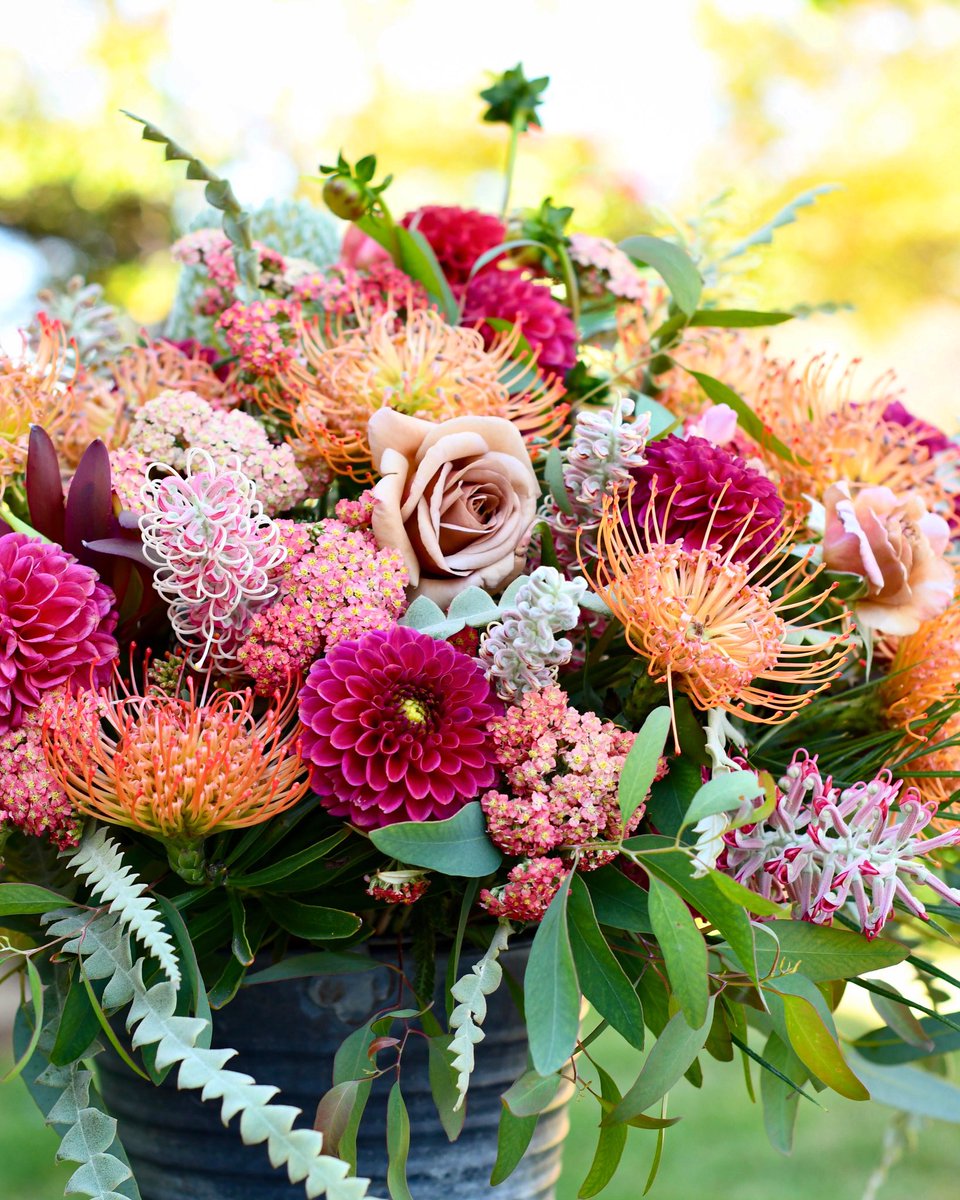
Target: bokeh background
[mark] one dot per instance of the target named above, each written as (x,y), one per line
(704,116)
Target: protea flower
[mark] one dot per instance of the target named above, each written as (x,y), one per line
(177,767)
(718,627)
(424,368)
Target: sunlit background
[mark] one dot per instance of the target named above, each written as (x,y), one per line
(703,116)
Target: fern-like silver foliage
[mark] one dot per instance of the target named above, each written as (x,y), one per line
(471,992)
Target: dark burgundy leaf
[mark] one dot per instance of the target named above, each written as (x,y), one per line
(44,487)
(89,509)
(118,547)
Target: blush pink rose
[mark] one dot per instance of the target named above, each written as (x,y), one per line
(898,547)
(457,498)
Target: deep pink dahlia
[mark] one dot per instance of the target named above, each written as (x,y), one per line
(457,236)
(545,322)
(698,483)
(395,727)
(56,624)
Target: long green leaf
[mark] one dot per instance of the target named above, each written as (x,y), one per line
(909,1089)
(750,423)
(78,1026)
(725,792)
(670,1057)
(27,899)
(737,318)
(602,979)
(36,1019)
(780,1098)
(684,951)
(822,953)
(418,260)
(610,1144)
(673,265)
(640,765)
(311,921)
(457,846)
(618,901)
(817,1048)
(552,991)
(398,1145)
(531,1094)
(287,866)
(513,1138)
(306,966)
(885,1047)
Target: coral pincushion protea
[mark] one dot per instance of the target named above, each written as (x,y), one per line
(545,323)
(56,624)
(395,727)
(699,489)
(457,236)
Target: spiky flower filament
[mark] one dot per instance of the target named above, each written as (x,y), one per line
(422,367)
(921,697)
(176,767)
(724,632)
(835,431)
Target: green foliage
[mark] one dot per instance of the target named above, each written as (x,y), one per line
(601,977)
(670,1057)
(552,990)
(749,422)
(457,846)
(100,943)
(470,993)
(398,1145)
(513,100)
(724,792)
(785,216)
(98,859)
(672,264)
(822,953)
(684,951)
(513,1138)
(642,761)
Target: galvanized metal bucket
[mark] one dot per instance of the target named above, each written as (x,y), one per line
(286,1034)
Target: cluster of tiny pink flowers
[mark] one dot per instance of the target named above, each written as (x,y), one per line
(165,429)
(823,848)
(397,887)
(605,268)
(214,551)
(529,889)
(336,583)
(261,334)
(357,514)
(213,250)
(562,768)
(344,291)
(31,800)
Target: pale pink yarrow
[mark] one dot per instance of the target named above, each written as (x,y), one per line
(31,799)
(563,769)
(617,273)
(358,514)
(261,334)
(339,586)
(166,428)
(214,551)
(528,892)
(823,848)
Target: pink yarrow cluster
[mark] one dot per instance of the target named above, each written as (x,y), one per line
(823,848)
(335,583)
(344,291)
(165,429)
(261,334)
(212,249)
(31,800)
(562,768)
(529,889)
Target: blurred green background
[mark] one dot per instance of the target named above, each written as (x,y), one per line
(716,111)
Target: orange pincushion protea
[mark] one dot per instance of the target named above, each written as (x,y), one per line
(833,433)
(35,393)
(423,368)
(717,627)
(176,767)
(923,680)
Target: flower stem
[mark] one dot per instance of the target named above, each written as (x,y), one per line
(519,118)
(19,526)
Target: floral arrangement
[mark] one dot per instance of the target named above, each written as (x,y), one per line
(472,582)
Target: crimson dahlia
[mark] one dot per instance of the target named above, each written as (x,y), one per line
(395,728)
(457,236)
(544,321)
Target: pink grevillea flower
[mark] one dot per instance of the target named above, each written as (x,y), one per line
(56,624)
(31,798)
(824,847)
(395,727)
(705,495)
(528,891)
(214,550)
(563,768)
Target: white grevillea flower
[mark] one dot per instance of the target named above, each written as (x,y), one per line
(522,652)
(823,848)
(213,551)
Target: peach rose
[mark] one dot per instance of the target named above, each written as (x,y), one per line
(457,498)
(898,547)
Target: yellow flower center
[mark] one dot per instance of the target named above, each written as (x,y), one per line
(414,710)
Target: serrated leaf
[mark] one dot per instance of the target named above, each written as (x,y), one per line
(642,761)
(551,989)
(457,846)
(786,216)
(684,951)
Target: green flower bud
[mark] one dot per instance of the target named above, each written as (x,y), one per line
(345,198)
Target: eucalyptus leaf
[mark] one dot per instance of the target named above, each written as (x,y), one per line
(457,846)
(822,952)
(684,951)
(725,792)
(672,264)
(670,1057)
(552,990)
(642,761)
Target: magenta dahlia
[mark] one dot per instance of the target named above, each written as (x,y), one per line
(395,728)
(457,236)
(56,624)
(544,321)
(702,488)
